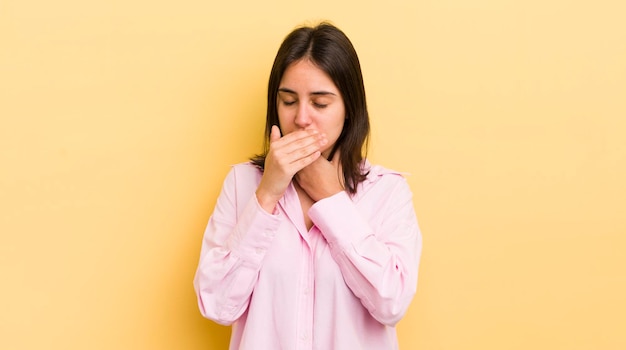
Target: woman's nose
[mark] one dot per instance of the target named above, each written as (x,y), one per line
(303,116)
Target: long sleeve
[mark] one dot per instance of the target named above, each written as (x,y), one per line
(377,247)
(236,239)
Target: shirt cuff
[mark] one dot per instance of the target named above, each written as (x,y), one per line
(254,233)
(339,221)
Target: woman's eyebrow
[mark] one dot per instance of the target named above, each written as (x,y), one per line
(323,93)
(289,91)
(318,93)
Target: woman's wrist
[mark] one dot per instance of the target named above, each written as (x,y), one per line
(266,201)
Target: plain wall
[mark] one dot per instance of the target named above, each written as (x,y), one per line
(120,119)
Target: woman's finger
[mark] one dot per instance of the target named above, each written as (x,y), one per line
(274,133)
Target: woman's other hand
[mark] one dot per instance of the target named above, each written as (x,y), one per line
(322,178)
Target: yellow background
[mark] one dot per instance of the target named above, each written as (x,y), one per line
(119,120)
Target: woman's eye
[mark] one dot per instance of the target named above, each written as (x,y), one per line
(319,105)
(288,103)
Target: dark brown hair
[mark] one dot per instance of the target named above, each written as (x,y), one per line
(329,49)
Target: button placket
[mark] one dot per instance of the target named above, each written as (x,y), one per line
(305,312)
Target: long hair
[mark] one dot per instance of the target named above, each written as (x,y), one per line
(329,49)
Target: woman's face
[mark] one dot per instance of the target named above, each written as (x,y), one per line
(308,99)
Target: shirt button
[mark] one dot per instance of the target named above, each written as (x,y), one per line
(268,233)
(260,251)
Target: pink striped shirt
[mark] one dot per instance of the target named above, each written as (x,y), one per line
(343,284)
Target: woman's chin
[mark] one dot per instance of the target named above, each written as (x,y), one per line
(326,152)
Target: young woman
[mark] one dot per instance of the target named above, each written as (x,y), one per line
(310,246)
